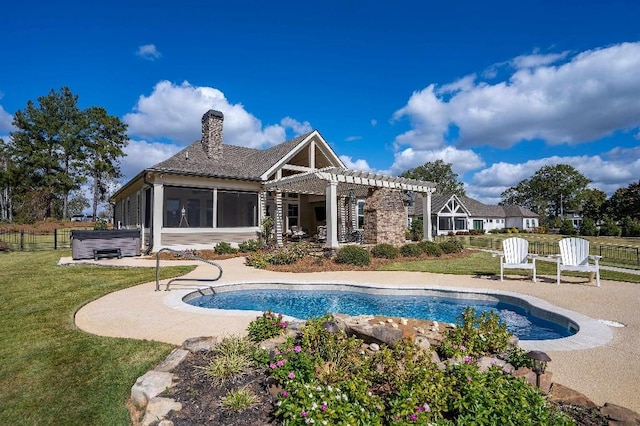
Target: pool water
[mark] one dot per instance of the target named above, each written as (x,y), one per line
(308,304)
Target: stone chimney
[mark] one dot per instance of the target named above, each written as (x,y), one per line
(212,134)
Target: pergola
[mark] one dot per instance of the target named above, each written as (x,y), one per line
(335,182)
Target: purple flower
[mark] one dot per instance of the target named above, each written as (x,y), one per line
(414,417)
(297,349)
(281,362)
(467,359)
(283,324)
(426,407)
(469,379)
(303,414)
(291,375)
(272,366)
(285,394)
(323,407)
(420,409)
(463,348)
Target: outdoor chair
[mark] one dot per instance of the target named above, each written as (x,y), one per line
(297,233)
(574,256)
(321,236)
(515,255)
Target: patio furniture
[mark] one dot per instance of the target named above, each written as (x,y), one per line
(574,256)
(297,233)
(516,256)
(321,235)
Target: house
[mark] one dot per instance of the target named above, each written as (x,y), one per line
(452,213)
(211,192)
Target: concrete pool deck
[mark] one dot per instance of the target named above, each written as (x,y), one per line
(603,362)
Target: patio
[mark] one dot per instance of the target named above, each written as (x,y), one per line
(605,373)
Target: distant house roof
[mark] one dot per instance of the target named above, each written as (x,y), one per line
(473,206)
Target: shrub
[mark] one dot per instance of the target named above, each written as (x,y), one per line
(451,246)
(566,228)
(475,335)
(411,250)
(385,251)
(353,255)
(588,227)
(100,225)
(430,248)
(224,248)
(266,326)
(417,229)
(630,227)
(609,228)
(249,245)
(239,400)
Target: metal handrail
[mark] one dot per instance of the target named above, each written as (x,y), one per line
(188,256)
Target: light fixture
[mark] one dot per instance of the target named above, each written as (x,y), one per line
(411,196)
(539,362)
(352,196)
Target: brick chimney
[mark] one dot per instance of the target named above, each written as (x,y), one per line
(212,134)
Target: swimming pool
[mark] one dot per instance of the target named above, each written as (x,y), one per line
(523,320)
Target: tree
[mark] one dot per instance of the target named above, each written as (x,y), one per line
(566,228)
(6,182)
(625,202)
(630,227)
(439,173)
(48,147)
(609,228)
(588,227)
(593,204)
(551,190)
(106,139)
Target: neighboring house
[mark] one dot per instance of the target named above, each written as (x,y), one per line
(573,216)
(451,213)
(211,192)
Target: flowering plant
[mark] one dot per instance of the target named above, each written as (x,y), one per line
(267,326)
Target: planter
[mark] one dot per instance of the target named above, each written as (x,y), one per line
(96,244)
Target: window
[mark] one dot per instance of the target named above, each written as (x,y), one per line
(360,214)
(188,207)
(292,215)
(477,224)
(237,209)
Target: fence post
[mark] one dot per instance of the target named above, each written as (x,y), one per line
(55,238)
(21,239)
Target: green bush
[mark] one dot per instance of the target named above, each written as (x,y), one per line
(100,225)
(353,255)
(417,229)
(249,246)
(475,335)
(411,250)
(266,326)
(609,228)
(630,227)
(567,228)
(283,256)
(451,246)
(588,227)
(430,248)
(224,248)
(385,251)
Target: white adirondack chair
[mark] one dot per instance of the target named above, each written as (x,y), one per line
(515,255)
(574,256)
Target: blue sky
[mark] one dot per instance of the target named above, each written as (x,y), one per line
(497,88)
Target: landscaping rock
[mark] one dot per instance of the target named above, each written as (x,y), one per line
(148,386)
(158,408)
(485,362)
(619,416)
(563,394)
(173,360)
(546,379)
(273,343)
(374,347)
(380,335)
(197,344)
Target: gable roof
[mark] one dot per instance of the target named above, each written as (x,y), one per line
(473,206)
(236,162)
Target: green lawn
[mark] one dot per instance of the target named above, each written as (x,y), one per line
(53,373)
(483,263)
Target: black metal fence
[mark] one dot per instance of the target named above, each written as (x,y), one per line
(30,240)
(614,254)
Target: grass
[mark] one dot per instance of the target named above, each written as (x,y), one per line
(483,263)
(52,372)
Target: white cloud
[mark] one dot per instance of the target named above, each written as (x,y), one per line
(174,112)
(592,95)
(352,138)
(374,122)
(5,121)
(461,161)
(148,52)
(352,164)
(140,154)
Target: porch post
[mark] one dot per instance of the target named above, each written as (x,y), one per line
(158,213)
(426,216)
(331,196)
(343,220)
(277,226)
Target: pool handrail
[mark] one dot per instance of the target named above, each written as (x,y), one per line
(188,256)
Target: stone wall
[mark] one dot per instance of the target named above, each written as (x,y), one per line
(384,218)
(212,134)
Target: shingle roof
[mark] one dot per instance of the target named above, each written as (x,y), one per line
(475,207)
(236,161)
